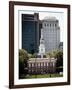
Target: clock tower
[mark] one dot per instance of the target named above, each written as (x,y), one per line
(42,45)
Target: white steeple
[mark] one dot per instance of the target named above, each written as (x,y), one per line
(41,46)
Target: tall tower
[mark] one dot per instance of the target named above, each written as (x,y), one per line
(30,32)
(51,33)
(42,45)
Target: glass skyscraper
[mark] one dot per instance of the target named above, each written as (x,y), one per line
(30,32)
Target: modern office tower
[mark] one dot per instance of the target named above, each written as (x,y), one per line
(51,33)
(30,32)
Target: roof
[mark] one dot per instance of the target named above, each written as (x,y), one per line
(49,18)
(33,60)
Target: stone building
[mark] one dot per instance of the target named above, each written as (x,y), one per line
(51,33)
(41,65)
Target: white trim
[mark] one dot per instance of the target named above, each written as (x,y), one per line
(16,47)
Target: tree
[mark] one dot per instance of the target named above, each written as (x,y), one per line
(49,55)
(34,55)
(29,55)
(23,62)
(59,64)
(58,54)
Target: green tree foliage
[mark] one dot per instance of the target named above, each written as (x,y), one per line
(59,64)
(34,55)
(49,55)
(23,62)
(29,55)
(58,54)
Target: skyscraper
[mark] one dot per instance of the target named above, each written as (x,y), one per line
(30,32)
(51,33)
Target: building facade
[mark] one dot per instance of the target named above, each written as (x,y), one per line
(61,46)
(30,32)
(40,37)
(41,65)
(51,33)
(32,28)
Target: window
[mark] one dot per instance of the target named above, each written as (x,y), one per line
(55,25)
(41,49)
(47,64)
(45,24)
(41,64)
(50,25)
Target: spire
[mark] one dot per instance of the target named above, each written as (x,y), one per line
(41,33)
(42,38)
(42,46)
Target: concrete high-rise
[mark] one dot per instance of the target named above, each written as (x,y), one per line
(51,33)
